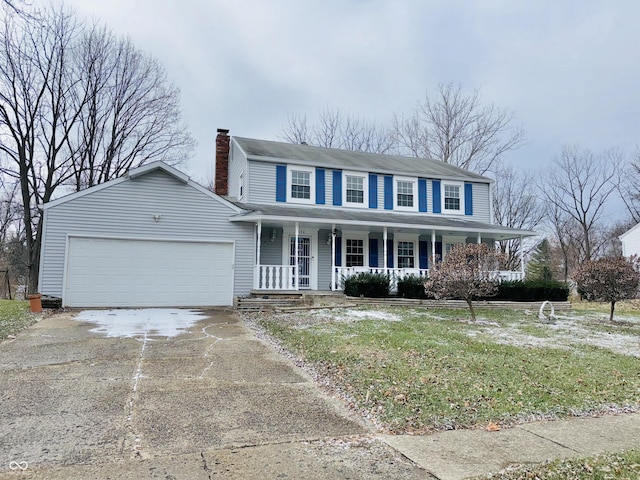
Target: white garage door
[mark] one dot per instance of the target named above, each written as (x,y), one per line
(141,273)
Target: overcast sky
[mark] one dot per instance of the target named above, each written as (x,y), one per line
(568,70)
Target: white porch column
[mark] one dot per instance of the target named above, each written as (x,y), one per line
(333,258)
(433,245)
(258,242)
(296,281)
(479,238)
(384,248)
(521,257)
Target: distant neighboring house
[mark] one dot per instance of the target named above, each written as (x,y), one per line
(631,241)
(283,217)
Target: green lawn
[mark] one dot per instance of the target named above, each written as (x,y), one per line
(14,316)
(623,465)
(433,370)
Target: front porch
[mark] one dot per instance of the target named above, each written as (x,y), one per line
(319,254)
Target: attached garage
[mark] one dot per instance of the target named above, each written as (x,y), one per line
(153,238)
(147,273)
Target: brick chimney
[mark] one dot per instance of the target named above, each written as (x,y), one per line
(222,162)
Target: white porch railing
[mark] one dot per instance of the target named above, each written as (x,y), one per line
(273,277)
(281,277)
(508,275)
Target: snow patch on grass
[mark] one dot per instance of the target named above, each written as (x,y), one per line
(565,332)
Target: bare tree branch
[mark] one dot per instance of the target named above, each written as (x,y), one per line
(335,129)
(457,129)
(576,192)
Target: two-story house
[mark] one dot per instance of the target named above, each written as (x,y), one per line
(349,212)
(283,217)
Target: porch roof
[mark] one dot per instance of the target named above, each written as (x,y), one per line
(345,218)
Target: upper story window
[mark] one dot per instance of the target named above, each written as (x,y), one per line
(453,197)
(406,190)
(300,184)
(241,185)
(355,189)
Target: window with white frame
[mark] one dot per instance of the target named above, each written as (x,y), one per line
(405,194)
(355,189)
(406,254)
(452,197)
(300,184)
(241,185)
(354,255)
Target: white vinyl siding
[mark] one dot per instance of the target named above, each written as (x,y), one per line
(261,183)
(126,210)
(237,168)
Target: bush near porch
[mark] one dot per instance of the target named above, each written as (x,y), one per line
(426,370)
(372,285)
(533,290)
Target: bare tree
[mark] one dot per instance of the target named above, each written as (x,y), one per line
(629,186)
(467,272)
(335,129)
(576,191)
(131,114)
(515,205)
(56,123)
(458,128)
(608,280)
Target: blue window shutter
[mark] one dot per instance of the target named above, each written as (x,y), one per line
(424,253)
(388,192)
(439,250)
(468,199)
(389,253)
(320,186)
(281,183)
(422,195)
(337,187)
(437,203)
(373,191)
(373,252)
(338,251)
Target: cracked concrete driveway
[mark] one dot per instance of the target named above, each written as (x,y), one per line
(213,401)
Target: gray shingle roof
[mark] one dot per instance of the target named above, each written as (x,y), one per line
(374,218)
(345,159)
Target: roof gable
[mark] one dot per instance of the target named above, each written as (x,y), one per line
(137,173)
(267,150)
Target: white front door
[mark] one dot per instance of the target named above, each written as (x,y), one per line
(305,260)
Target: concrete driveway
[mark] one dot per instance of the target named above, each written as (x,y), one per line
(85,399)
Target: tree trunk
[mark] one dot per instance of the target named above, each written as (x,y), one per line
(613,306)
(471,310)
